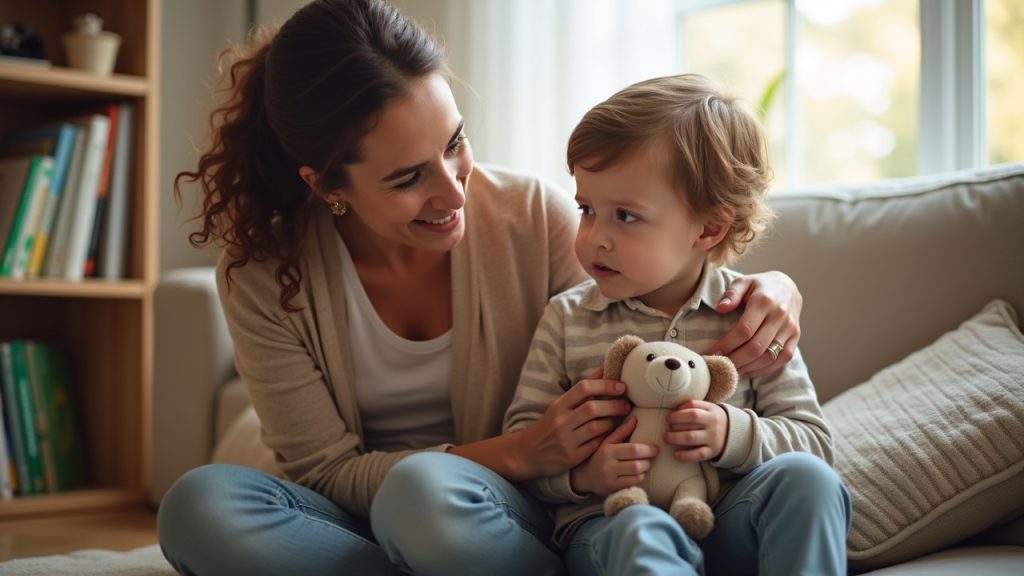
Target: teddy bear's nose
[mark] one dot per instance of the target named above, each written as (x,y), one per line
(672,364)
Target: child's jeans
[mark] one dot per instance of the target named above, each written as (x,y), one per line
(434,513)
(788,516)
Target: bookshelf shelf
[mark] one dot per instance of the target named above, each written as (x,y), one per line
(60,83)
(72,502)
(103,327)
(89,288)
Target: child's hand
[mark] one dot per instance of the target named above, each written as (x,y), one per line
(698,430)
(573,426)
(615,465)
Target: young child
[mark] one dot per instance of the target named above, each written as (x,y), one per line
(671,176)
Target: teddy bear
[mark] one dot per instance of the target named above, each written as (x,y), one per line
(659,376)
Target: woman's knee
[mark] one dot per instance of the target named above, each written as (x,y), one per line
(201,502)
(426,482)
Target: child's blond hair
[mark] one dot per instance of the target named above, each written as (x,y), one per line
(719,157)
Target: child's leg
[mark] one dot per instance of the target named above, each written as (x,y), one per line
(438,513)
(638,540)
(788,516)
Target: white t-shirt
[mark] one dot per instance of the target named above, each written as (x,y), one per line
(403,387)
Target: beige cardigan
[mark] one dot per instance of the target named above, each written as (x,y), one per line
(516,254)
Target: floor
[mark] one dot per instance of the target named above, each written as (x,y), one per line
(121,530)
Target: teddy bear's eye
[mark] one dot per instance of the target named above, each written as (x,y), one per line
(691,363)
(651,357)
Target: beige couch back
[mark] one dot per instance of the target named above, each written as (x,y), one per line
(886,268)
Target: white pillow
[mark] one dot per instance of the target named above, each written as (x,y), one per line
(932,447)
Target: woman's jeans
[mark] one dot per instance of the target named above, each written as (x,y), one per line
(788,516)
(434,513)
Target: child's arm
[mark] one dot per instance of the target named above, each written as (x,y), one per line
(615,465)
(559,424)
(788,419)
(697,430)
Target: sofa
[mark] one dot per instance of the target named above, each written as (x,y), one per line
(911,330)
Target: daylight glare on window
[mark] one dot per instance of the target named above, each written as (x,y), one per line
(858,71)
(856,67)
(1004,65)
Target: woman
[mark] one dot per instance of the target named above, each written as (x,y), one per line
(381,292)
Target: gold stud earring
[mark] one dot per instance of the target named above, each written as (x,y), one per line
(338,208)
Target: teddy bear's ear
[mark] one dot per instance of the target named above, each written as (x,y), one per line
(723,378)
(616,355)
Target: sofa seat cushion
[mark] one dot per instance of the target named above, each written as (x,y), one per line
(932,447)
(973,560)
(241,445)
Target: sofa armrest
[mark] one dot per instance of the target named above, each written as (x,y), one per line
(193,358)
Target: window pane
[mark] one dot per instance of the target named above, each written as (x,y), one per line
(858,64)
(719,43)
(1004,56)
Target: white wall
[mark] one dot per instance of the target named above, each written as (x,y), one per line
(192,33)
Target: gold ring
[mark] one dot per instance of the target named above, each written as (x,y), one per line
(774,348)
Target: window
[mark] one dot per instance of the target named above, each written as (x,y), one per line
(1004,67)
(851,90)
(857,90)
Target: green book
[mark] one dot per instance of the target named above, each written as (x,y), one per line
(13,419)
(26,412)
(18,247)
(57,417)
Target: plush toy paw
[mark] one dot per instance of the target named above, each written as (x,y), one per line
(624,498)
(693,515)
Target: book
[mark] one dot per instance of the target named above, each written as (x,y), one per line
(6,465)
(26,217)
(38,376)
(56,251)
(26,414)
(55,140)
(12,181)
(12,417)
(112,245)
(69,259)
(102,194)
(56,417)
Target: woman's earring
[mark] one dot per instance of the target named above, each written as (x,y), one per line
(338,208)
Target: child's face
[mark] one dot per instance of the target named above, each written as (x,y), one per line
(637,238)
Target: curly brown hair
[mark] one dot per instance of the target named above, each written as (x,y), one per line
(720,158)
(301,96)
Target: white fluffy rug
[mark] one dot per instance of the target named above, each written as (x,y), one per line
(145,561)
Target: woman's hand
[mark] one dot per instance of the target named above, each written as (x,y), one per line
(572,427)
(772,305)
(697,430)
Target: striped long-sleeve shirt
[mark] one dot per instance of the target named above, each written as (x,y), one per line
(768,415)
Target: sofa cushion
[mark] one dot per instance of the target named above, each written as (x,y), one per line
(888,266)
(241,445)
(932,447)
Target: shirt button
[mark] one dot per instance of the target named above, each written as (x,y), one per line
(673,333)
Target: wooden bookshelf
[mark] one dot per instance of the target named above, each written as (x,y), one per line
(106,326)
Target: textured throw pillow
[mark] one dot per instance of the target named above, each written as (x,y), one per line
(932,447)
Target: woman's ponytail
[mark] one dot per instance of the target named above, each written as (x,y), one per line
(301,96)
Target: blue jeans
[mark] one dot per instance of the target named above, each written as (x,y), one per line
(434,513)
(788,516)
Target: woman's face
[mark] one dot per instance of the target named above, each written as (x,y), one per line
(409,189)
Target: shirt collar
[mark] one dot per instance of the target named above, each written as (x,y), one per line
(710,290)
